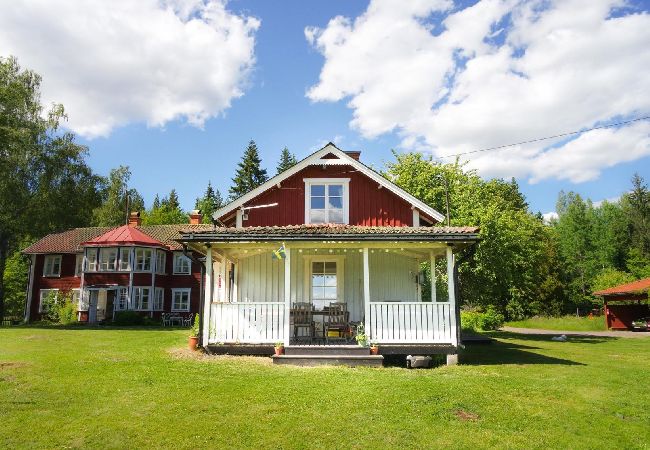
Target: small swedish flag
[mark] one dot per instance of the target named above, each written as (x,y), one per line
(279,253)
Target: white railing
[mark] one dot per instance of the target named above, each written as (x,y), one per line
(247,323)
(411,322)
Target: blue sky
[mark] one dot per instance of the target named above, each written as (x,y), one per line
(361,82)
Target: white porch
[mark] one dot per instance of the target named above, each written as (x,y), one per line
(250,295)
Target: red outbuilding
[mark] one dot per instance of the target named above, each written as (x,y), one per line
(625,303)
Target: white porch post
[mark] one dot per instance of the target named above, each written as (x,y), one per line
(433,276)
(207,301)
(451,287)
(287,296)
(366,291)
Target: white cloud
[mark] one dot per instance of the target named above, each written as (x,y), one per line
(497,72)
(111,63)
(550,216)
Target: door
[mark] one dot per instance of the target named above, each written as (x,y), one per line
(110,301)
(92,305)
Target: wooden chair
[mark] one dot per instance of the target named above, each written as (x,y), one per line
(188,320)
(337,324)
(303,318)
(165,318)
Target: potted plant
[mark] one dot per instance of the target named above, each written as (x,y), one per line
(361,337)
(194,334)
(374,348)
(279,348)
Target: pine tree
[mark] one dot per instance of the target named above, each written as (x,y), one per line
(156,202)
(209,203)
(173,202)
(249,173)
(287,160)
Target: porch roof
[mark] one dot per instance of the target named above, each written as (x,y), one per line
(336,232)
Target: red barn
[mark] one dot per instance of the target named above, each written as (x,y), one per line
(625,303)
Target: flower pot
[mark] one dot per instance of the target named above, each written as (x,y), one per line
(193,342)
(374,350)
(279,351)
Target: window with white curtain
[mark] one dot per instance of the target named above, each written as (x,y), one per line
(52,266)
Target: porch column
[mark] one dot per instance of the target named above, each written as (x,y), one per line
(207,301)
(366,291)
(451,287)
(433,276)
(287,296)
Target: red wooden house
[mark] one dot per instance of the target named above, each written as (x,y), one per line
(321,252)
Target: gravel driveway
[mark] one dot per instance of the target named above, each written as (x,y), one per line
(622,334)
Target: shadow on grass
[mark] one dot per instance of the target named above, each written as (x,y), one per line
(98,327)
(575,338)
(504,352)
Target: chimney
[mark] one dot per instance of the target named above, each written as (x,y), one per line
(354,155)
(196,217)
(134,219)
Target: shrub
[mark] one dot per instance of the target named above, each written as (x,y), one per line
(489,320)
(60,309)
(194,330)
(128,318)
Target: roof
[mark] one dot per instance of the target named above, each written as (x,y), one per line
(124,235)
(636,287)
(332,231)
(320,158)
(71,241)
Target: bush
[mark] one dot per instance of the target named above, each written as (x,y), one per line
(128,318)
(489,320)
(60,309)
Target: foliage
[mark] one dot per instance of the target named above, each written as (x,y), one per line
(609,277)
(637,206)
(45,183)
(249,174)
(209,203)
(59,308)
(279,344)
(287,161)
(15,282)
(476,320)
(128,318)
(118,200)
(562,323)
(165,212)
(196,326)
(361,337)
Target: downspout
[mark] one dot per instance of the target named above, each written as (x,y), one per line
(30,289)
(201,292)
(468,254)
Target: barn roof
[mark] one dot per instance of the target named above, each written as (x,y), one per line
(636,287)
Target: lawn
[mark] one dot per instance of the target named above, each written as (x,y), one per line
(565,323)
(135,388)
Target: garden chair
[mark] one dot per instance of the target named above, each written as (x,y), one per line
(337,325)
(166,321)
(187,321)
(303,319)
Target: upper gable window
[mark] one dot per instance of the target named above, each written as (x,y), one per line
(52,266)
(326,200)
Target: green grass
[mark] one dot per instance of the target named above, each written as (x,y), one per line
(109,388)
(565,323)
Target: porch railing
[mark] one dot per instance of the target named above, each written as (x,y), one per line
(411,322)
(247,323)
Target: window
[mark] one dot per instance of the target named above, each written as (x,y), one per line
(323,280)
(143,259)
(122,299)
(142,298)
(326,200)
(83,299)
(78,265)
(180,299)
(125,253)
(47,297)
(182,264)
(91,260)
(159,299)
(52,266)
(107,259)
(161,259)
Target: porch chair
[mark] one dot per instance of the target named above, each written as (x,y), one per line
(337,324)
(187,320)
(165,318)
(303,318)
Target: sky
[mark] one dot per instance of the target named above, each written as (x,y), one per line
(175,89)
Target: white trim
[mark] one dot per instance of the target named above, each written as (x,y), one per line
(52,274)
(135,300)
(40,298)
(315,159)
(30,288)
(366,292)
(451,288)
(175,291)
(207,300)
(416,218)
(432,258)
(287,296)
(345,182)
(340,277)
(151,260)
(180,255)
(78,264)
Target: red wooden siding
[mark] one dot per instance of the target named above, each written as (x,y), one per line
(66,282)
(369,205)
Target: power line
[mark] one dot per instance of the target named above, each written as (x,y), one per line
(545,138)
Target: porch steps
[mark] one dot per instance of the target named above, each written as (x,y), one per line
(320,355)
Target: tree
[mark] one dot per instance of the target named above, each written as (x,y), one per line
(249,174)
(45,183)
(637,205)
(118,200)
(168,211)
(287,160)
(172,200)
(156,202)
(209,203)
(608,278)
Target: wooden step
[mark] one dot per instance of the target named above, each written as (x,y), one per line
(326,350)
(330,360)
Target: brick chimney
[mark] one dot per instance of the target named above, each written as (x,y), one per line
(354,155)
(134,219)
(196,217)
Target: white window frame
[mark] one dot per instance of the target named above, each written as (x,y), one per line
(141,267)
(181,291)
(138,295)
(78,264)
(92,260)
(83,299)
(48,265)
(108,264)
(159,299)
(180,258)
(121,295)
(41,297)
(340,274)
(161,261)
(124,251)
(345,182)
